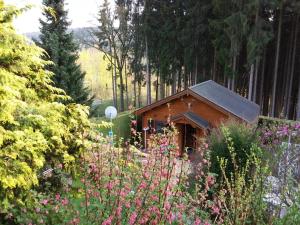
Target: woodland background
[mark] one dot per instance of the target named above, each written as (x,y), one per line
(152,49)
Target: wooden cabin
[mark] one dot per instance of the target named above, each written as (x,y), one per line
(197,110)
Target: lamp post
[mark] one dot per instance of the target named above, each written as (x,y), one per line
(145,129)
(111,113)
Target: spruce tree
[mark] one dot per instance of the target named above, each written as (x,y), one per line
(62,50)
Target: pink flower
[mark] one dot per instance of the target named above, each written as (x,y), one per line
(122,193)
(57,197)
(109,186)
(146,175)
(179,216)
(65,201)
(197,221)
(138,202)
(44,202)
(37,210)
(143,185)
(119,211)
(108,221)
(164,173)
(215,210)
(127,205)
(206,223)
(132,218)
(210,180)
(133,122)
(171,217)
(154,198)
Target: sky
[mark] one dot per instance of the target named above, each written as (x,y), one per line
(82,13)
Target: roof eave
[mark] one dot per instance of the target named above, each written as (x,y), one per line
(161,102)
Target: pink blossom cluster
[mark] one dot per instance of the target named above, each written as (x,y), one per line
(122,187)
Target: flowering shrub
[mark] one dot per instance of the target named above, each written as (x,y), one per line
(121,185)
(274,135)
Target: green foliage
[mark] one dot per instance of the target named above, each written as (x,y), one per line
(243,138)
(35,129)
(121,125)
(243,192)
(267,122)
(62,50)
(99,110)
(292,215)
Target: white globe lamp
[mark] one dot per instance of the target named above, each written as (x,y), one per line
(111,112)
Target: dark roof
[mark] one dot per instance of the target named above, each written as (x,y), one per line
(227,99)
(197,120)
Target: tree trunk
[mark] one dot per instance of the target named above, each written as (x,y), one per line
(122,103)
(116,83)
(173,91)
(139,94)
(215,65)
(292,69)
(156,88)
(287,69)
(234,73)
(148,74)
(251,82)
(204,74)
(277,61)
(229,83)
(195,78)
(113,83)
(126,86)
(262,82)
(179,75)
(134,91)
(257,61)
(162,87)
(298,103)
(257,64)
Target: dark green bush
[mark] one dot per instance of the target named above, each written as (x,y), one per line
(243,137)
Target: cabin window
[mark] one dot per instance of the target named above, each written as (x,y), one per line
(159,125)
(155,126)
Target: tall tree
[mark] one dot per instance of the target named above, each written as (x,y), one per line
(114,38)
(62,50)
(281,12)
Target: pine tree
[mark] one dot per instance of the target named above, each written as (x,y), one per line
(61,48)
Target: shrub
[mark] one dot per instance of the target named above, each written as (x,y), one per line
(243,138)
(36,130)
(123,186)
(243,190)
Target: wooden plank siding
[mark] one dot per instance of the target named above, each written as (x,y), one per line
(185,102)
